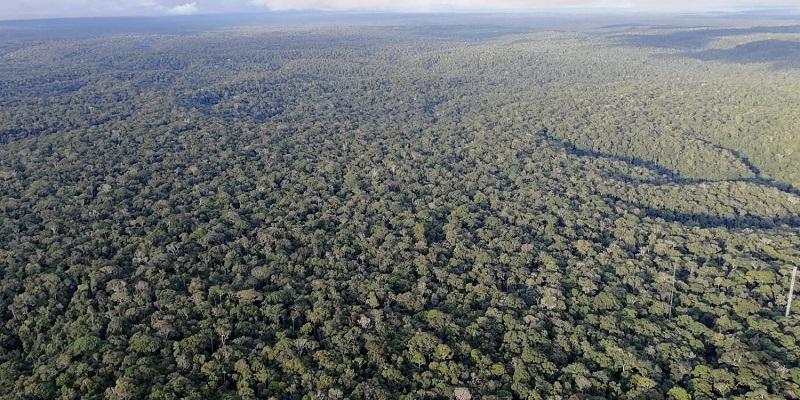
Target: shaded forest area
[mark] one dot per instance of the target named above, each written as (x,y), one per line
(401,211)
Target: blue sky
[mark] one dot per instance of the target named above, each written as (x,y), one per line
(12,9)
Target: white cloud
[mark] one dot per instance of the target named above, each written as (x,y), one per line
(446,5)
(184,9)
(393,5)
(10,9)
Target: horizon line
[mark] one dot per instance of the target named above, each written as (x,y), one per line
(560,11)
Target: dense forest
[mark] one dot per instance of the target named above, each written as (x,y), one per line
(401,211)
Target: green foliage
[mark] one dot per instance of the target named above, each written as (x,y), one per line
(85,345)
(390,212)
(678,393)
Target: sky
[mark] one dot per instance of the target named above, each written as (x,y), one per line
(23,9)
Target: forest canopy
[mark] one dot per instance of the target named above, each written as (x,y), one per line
(468,210)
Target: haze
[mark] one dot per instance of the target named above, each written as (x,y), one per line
(24,9)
